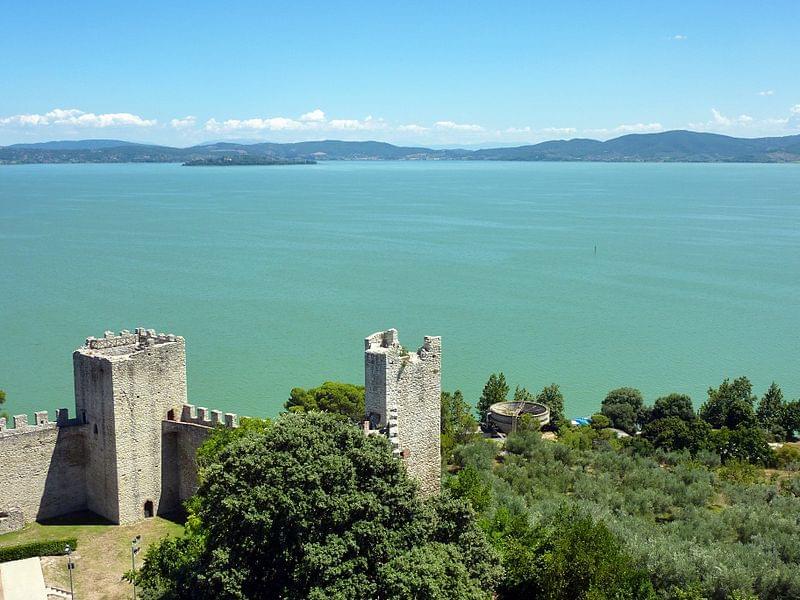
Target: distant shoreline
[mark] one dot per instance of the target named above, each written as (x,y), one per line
(669,146)
(246,161)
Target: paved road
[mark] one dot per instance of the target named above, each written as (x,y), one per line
(22,580)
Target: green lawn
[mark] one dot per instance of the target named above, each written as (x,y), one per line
(103,553)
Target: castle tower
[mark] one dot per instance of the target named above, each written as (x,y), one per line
(125,386)
(403,397)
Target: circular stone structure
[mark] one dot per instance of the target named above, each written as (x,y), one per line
(503,416)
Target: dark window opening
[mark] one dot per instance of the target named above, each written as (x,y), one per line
(148,509)
(171,414)
(95,428)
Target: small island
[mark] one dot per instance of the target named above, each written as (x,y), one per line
(245,160)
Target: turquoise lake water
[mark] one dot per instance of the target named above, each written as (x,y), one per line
(276,274)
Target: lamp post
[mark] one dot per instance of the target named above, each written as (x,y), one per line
(70,567)
(134,551)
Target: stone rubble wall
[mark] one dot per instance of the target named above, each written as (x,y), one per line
(403,397)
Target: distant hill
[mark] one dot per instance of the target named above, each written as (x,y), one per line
(669,146)
(75,145)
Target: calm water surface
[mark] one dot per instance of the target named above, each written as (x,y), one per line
(275,274)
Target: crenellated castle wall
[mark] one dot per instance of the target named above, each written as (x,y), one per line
(131,449)
(182,437)
(42,466)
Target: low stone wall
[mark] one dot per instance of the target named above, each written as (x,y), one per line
(42,474)
(11,519)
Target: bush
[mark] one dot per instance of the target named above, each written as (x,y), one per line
(600,421)
(479,454)
(44,548)
(787,456)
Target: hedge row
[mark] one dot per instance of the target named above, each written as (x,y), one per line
(49,548)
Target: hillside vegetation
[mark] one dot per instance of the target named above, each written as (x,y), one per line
(668,146)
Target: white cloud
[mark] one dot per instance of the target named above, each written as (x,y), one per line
(368,123)
(257,124)
(639,128)
(722,120)
(413,128)
(746,125)
(453,126)
(184,123)
(626,128)
(678,37)
(563,131)
(767,93)
(315,116)
(78,118)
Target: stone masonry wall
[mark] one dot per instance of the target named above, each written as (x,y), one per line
(183,437)
(403,395)
(42,468)
(126,385)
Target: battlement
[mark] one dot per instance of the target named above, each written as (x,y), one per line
(41,422)
(126,342)
(387,342)
(199,415)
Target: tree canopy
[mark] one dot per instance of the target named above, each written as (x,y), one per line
(309,507)
(730,405)
(458,426)
(673,405)
(625,407)
(495,390)
(553,399)
(332,396)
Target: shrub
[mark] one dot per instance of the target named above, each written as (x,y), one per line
(44,548)
(791,486)
(479,454)
(785,456)
(600,421)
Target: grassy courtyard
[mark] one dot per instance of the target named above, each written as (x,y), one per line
(103,554)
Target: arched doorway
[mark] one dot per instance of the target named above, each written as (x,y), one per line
(148,509)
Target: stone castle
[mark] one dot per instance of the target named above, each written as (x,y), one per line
(129,452)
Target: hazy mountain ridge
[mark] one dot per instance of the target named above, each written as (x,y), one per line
(669,146)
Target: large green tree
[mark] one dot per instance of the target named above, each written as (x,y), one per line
(332,396)
(747,444)
(552,397)
(495,390)
(730,405)
(771,412)
(791,418)
(673,405)
(457,423)
(674,433)
(625,407)
(309,507)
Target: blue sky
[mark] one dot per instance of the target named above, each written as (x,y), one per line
(407,72)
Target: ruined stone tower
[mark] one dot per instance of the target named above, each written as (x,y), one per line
(125,386)
(403,398)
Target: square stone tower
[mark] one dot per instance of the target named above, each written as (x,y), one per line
(125,386)
(403,397)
